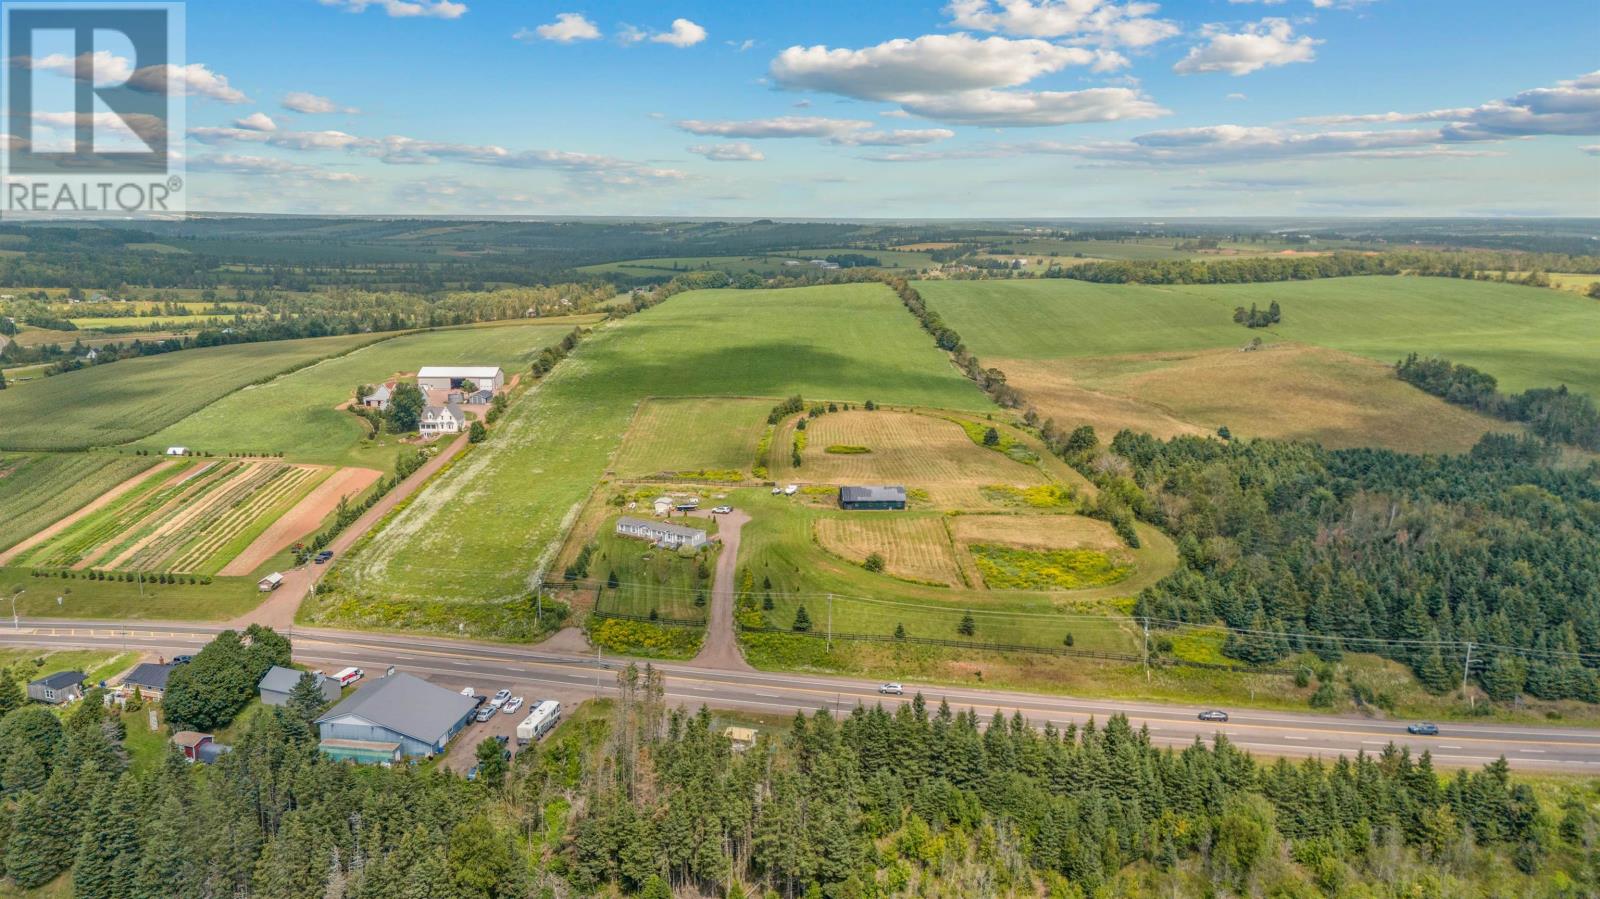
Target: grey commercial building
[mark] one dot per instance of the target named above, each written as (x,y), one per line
(279,682)
(393,717)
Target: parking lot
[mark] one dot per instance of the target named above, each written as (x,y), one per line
(461,756)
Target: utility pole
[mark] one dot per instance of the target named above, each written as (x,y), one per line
(1147,649)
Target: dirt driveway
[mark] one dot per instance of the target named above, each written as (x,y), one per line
(721,647)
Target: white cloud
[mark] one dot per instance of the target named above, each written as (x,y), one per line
(256,121)
(1035,108)
(567,28)
(933,63)
(1269,42)
(261,165)
(684,33)
(781,126)
(734,152)
(405,9)
(312,104)
(1093,21)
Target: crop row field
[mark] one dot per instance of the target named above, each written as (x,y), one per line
(188,517)
(481,530)
(108,405)
(298,415)
(1170,360)
(36,489)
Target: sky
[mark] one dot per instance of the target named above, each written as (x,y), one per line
(888,109)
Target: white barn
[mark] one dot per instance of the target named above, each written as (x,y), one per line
(449,377)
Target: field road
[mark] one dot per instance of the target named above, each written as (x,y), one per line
(1569,750)
(279,609)
(721,647)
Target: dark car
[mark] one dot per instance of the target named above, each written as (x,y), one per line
(1213,715)
(1423,729)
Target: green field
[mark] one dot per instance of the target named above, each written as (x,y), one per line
(1525,337)
(38,490)
(105,405)
(295,414)
(481,530)
(762,264)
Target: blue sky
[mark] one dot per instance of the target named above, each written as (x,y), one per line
(971,108)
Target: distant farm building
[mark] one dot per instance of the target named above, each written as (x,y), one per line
(279,682)
(394,717)
(447,377)
(438,420)
(378,398)
(865,498)
(661,533)
(63,686)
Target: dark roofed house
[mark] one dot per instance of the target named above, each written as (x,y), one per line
(393,717)
(149,678)
(892,497)
(63,686)
(279,682)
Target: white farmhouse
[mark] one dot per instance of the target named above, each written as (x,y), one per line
(450,377)
(438,420)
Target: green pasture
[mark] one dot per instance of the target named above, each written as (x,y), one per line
(481,529)
(105,405)
(295,414)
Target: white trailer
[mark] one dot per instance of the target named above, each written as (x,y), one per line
(545,715)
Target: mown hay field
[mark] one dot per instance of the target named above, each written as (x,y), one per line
(36,490)
(106,405)
(705,438)
(914,548)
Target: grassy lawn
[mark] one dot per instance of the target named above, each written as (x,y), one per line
(38,490)
(222,599)
(105,405)
(294,414)
(479,531)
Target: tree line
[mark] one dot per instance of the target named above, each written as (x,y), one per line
(1556,414)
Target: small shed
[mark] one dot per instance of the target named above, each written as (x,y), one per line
(189,743)
(279,682)
(63,686)
(270,583)
(862,498)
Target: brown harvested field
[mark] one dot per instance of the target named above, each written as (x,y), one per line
(1284,390)
(919,451)
(1036,531)
(301,520)
(913,548)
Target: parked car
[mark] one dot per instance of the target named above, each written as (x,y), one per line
(512,706)
(484,714)
(1213,715)
(721,510)
(892,689)
(1423,729)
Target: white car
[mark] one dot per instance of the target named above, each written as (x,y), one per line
(513,705)
(892,689)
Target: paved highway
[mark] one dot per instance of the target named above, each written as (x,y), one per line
(567,676)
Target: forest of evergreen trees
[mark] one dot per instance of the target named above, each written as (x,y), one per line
(646,801)
(1409,556)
